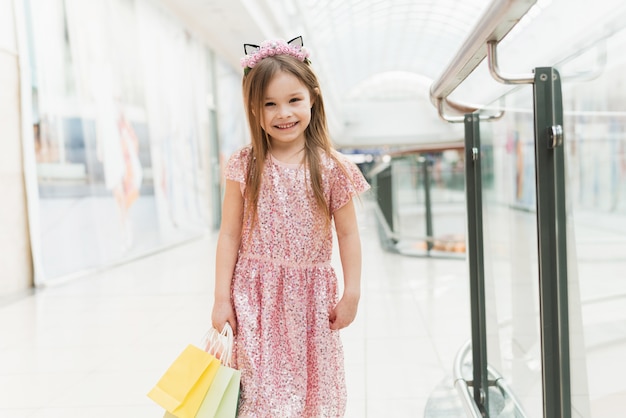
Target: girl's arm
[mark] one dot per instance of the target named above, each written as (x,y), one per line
(226,256)
(350,253)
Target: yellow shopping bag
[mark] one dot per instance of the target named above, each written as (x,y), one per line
(185,383)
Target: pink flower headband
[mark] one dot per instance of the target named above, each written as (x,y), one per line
(255,53)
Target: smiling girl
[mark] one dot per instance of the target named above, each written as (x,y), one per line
(274,281)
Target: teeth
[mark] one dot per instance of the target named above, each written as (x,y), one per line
(289,125)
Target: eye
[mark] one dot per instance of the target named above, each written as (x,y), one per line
(295,99)
(268,104)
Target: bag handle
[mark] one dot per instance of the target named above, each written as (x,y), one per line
(220,344)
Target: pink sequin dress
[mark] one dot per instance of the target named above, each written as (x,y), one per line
(283,290)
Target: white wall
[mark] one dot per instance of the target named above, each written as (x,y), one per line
(15,255)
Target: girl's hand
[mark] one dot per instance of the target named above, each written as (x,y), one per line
(223,312)
(344,312)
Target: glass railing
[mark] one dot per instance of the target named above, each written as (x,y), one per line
(595,157)
(553,215)
(510,253)
(422,203)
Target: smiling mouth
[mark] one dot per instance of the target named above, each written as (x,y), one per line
(286,125)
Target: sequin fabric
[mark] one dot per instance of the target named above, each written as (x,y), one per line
(283,290)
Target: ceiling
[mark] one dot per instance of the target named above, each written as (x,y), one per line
(362,50)
(356,45)
(378,51)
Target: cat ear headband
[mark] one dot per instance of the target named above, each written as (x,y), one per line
(255,53)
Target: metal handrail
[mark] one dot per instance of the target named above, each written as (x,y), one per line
(506,389)
(499,76)
(463,109)
(499,18)
(470,407)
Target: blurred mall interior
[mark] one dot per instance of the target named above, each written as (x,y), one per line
(494,235)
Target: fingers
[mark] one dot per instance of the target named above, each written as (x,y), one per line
(218,321)
(336,321)
(341,315)
(233,325)
(220,324)
(223,313)
(332,319)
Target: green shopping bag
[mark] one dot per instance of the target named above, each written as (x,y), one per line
(223,395)
(230,400)
(184,385)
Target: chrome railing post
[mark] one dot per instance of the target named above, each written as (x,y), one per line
(551,232)
(473,193)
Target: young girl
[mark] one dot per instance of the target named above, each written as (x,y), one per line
(274,283)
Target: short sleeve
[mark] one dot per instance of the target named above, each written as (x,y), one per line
(237,165)
(346,183)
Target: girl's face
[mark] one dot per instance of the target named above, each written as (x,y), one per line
(286,110)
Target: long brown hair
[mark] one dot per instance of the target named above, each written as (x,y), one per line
(317,139)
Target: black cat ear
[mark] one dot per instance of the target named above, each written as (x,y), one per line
(297,42)
(250,49)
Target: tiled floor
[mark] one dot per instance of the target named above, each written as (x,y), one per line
(93,347)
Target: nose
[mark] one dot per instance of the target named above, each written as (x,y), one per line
(284,111)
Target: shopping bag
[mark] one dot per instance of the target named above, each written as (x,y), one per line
(230,400)
(223,396)
(184,385)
